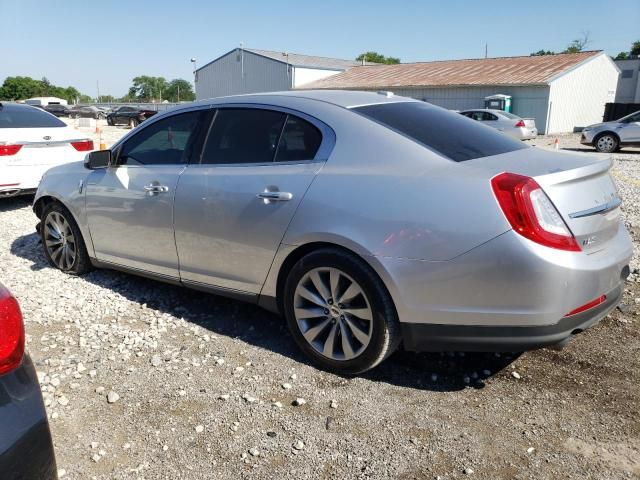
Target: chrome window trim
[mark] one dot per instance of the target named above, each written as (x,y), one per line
(604,208)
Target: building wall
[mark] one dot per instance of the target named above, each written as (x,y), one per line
(241,72)
(577,98)
(628,90)
(302,75)
(527,102)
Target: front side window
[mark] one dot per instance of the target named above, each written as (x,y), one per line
(164,142)
(243,135)
(448,133)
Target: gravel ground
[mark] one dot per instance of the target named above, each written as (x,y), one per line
(146,380)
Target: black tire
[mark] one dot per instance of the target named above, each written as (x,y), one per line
(385,328)
(606,143)
(81,263)
(133,122)
(109,121)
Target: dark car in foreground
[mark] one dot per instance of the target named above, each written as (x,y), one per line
(57,109)
(26,449)
(129,116)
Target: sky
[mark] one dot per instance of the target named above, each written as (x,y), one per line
(80,42)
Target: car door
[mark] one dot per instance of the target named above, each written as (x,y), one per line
(130,205)
(629,130)
(233,208)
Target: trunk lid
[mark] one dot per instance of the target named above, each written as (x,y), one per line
(529,122)
(41,146)
(580,186)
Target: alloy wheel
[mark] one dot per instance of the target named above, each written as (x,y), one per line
(59,240)
(333,313)
(606,143)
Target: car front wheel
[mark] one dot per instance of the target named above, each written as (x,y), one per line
(62,241)
(339,312)
(606,143)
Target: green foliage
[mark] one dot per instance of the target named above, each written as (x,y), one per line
(21,88)
(622,56)
(578,44)
(635,48)
(180,90)
(376,57)
(539,53)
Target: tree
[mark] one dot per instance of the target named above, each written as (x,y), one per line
(19,88)
(376,57)
(542,52)
(635,51)
(578,44)
(622,56)
(179,90)
(635,48)
(148,88)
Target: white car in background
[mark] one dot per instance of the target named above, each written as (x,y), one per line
(513,125)
(31,142)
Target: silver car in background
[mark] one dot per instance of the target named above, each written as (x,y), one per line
(608,137)
(368,221)
(513,125)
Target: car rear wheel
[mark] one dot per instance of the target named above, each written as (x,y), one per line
(133,123)
(62,241)
(606,143)
(109,121)
(339,312)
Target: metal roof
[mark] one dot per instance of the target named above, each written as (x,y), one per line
(298,60)
(530,70)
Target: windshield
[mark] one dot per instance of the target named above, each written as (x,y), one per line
(450,134)
(20,116)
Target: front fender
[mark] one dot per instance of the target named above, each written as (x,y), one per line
(67,184)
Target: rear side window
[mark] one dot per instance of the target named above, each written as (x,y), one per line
(19,116)
(243,135)
(300,141)
(448,133)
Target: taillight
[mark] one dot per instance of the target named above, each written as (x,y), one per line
(531,213)
(11,332)
(6,150)
(593,303)
(83,145)
(520,123)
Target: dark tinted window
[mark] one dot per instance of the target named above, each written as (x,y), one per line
(21,116)
(243,135)
(448,133)
(300,141)
(164,142)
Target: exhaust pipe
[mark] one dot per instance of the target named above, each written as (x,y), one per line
(10,193)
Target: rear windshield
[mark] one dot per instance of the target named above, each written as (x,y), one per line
(20,116)
(450,134)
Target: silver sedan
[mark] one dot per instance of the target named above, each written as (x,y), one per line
(512,125)
(608,137)
(367,220)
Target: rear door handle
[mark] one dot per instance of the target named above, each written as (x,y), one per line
(156,188)
(276,196)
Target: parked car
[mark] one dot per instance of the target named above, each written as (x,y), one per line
(26,449)
(80,111)
(57,109)
(608,137)
(513,125)
(31,142)
(367,220)
(129,116)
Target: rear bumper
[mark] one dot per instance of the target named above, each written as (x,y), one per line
(478,338)
(26,448)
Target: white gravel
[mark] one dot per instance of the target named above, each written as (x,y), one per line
(205,386)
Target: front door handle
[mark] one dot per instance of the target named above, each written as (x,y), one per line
(275,196)
(156,188)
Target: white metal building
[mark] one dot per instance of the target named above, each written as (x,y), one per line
(247,70)
(563,92)
(629,82)
(45,101)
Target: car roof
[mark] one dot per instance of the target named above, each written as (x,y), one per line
(9,106)
(342,98)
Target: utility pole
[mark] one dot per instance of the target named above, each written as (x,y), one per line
(178,93)
(486,50)
(98,88)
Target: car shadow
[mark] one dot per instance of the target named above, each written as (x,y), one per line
(8,204)
(624,151)
(449,371)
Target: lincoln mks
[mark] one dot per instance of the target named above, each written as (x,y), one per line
(368,220)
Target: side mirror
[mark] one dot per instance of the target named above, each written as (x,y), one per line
(98,159)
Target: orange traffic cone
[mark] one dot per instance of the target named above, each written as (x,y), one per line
(556,143)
